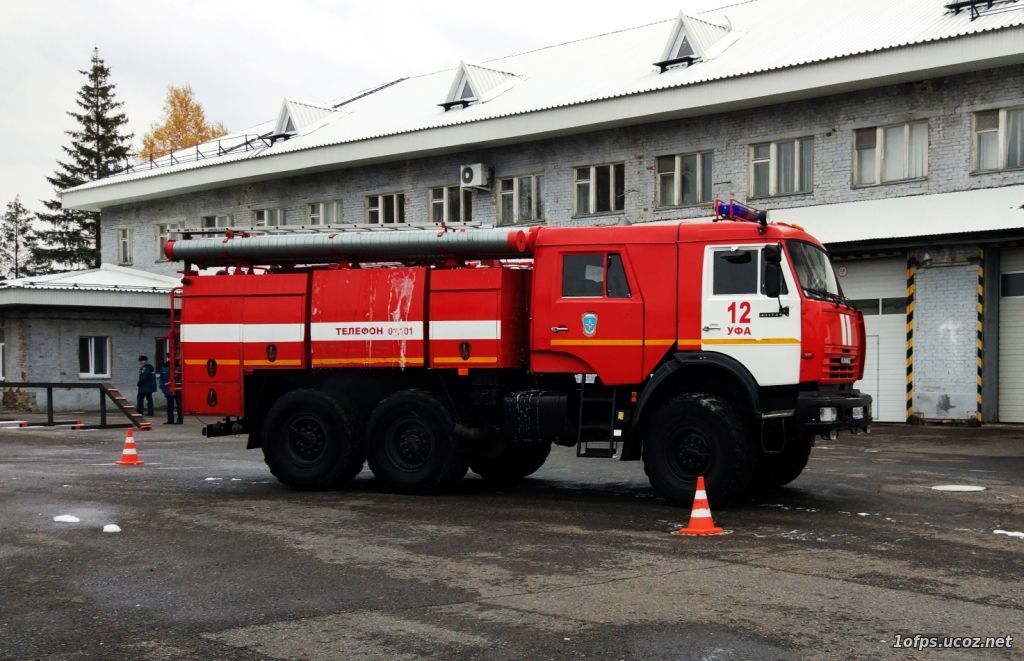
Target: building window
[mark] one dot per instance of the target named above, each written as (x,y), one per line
(1011,284)
(214,222)
(782,168)
(875,306)
(599,189)
(998,139)
(93,356)
(323,213)
(386,209)
(267,217)
(124,246)
(684,179)
(890,153)
(520,200)
(450,204)
(163,233)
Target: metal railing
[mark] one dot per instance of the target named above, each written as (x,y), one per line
(106,391)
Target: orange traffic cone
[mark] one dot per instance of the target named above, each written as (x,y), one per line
(701,522)
(129,457)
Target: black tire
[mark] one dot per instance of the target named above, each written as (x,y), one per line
(699,434)
(411,444)
(776,470)
(505,462)
(310,442)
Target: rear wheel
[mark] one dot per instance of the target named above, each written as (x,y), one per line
(506,462)
(698,434)
(411,444)
(309,441)
(778,469)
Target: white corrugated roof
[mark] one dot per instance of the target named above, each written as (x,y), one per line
(769,35)
(107,277)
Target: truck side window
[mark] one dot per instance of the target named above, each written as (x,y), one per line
(618,286)
(582,275)
(735,272)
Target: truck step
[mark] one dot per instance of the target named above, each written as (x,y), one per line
(600,453)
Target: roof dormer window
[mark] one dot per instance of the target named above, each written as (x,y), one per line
(476,84)
(300,117)
(694,40)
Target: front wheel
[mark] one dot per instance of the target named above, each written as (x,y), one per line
(411,444)
(310,442)
(696,434)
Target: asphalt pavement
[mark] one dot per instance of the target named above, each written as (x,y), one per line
(216,560)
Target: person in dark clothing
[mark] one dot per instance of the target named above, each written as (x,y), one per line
(173,398)
(147,386)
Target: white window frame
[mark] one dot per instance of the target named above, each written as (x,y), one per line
(879,167)
(217,221)
(124,246)
(268,217)
(1002,139)
(773,160)
(92,373)
(323,213)
(376,204)
(677,178)
(591,182)
(536,204)
(163,233)
(465,202)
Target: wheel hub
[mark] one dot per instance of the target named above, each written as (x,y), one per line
(411,445)
(693,453)
(306,439)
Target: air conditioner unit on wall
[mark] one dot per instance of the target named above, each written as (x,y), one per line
(476,175)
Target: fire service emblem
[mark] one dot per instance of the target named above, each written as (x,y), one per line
(589,324)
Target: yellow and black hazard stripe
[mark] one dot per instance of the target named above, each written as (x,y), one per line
(911,289)
(981,325)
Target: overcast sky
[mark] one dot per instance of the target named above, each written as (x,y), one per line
(243,56)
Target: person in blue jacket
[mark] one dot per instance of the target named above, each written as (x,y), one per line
(173,398)
(147,386)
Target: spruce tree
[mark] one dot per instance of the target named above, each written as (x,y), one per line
(98,147)
(17,240)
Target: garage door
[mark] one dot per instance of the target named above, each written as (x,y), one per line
(1011,337)
(878,288)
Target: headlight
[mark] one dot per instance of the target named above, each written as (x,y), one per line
(857,412)
(827,414)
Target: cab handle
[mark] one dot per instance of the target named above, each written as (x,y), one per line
(559,329)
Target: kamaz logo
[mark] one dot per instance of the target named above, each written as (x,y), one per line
(589,324)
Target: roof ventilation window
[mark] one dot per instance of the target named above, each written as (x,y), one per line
(476,84)
(301,117)
(695,40)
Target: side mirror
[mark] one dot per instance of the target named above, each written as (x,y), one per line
(772,255)
(772,279)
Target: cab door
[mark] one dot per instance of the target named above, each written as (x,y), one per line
(587,315)
(739,320)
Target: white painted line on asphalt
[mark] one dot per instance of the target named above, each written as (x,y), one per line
(958,487)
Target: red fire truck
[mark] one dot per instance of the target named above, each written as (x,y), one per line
(720,349)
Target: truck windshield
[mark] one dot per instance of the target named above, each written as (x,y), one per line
(814,271)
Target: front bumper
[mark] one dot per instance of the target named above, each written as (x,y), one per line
(810,404)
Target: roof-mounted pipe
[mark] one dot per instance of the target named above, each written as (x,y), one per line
(377,246)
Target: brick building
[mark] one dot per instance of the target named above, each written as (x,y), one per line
(892,131)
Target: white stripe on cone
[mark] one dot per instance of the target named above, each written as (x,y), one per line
(701,513)
(701,495)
